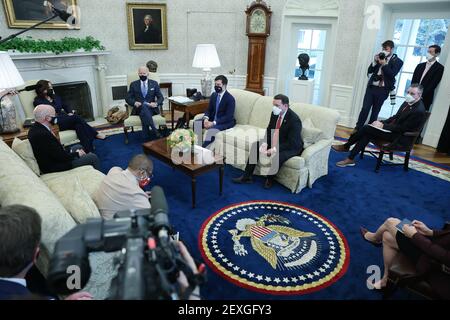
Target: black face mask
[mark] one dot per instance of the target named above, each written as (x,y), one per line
(53,120)
(51,93)
(143,78)
(218,89)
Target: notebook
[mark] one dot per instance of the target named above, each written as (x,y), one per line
(402,223)
(384,130)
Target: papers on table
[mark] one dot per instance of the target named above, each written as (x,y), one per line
(180,99)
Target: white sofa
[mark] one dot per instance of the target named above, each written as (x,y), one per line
(72,190)
(252,117)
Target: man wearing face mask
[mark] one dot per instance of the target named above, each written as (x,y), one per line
(146,99)
(409,117)
(65,117)
(220,113)
(282,141)
(123,189)
(429,74)
(48,151)
(382,71)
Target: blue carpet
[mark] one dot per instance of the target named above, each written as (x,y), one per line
(348,197)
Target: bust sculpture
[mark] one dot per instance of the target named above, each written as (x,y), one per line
(303,60)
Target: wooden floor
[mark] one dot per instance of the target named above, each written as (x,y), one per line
(420,150)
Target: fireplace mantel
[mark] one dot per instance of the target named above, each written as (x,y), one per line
(68,67)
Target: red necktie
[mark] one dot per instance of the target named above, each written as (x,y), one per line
(277,132)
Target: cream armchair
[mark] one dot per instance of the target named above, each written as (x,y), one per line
(134,120)
(67,137)
(252,115)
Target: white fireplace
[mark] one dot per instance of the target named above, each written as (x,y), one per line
(68,67)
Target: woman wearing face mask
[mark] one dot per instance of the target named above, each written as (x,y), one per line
(65,118)
(409,118)
(123,190)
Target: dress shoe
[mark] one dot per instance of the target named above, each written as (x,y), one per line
(242,180)
(340,148)
(346,163)
(363,232)
(268,184)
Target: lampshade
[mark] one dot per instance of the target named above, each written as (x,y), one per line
(206,57)
(9,75)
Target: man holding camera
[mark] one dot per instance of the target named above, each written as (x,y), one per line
(382,71)
(20,236)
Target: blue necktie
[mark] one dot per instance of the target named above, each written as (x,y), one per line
(217,106)
(144,89)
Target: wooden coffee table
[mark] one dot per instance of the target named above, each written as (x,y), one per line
(160,150)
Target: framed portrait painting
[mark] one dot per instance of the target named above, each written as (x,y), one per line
(26,13)
(147,26)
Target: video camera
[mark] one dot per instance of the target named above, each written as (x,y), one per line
(149,262)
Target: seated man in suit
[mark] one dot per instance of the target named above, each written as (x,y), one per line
(220,113)
(20,236)
(409,117)
(48,151)
(122,190)
(141,97)
(282,141)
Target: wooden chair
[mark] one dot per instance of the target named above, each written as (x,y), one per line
(403,274)
(389,147)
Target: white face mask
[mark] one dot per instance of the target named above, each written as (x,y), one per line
(276,111)
(409,98)
(429,56)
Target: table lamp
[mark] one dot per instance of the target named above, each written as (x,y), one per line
(206,58)
(10,79)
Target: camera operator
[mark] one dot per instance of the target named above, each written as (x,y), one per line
(382,71)
(20,235)
(123,189)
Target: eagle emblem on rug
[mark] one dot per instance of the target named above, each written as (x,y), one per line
(274,247)
(273,240)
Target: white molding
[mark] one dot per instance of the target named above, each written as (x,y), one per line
(341,101)
(316,8)
(323,13)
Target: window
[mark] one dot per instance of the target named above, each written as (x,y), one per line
(312,42)
(412,38)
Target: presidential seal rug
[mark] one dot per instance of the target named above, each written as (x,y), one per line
(274,247)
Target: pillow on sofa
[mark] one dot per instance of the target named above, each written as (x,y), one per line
(310,134)
(74,198)
(25,151)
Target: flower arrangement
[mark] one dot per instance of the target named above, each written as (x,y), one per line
(182,139)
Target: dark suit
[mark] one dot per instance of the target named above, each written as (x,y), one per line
(225,114)
(48,151)
(408,118)
(435,252)
(145,112)
(290,143)
(50,154)
(11,290)
(430,81)
(376,95)
(85,132)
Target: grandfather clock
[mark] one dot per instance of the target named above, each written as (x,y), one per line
(258,29)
